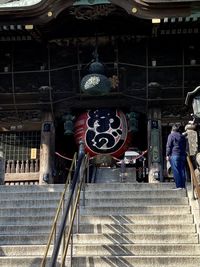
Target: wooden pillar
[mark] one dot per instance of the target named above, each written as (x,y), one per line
(155,157)
(47,150)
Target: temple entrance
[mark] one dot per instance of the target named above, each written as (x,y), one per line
(92,56)
(66,146)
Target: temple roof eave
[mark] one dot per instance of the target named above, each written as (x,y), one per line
(142,9)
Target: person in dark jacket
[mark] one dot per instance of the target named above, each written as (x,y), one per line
(176,154)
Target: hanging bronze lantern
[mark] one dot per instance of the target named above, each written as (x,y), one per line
(96,83)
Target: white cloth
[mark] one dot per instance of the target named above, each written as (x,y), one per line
(169,169)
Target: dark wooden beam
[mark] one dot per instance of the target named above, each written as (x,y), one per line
(160,9)
(143,9)
(35,14)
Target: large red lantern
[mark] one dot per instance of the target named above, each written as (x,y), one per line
(104,131)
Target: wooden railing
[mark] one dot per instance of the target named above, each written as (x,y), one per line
(22,172)
(22,166)
(194,181)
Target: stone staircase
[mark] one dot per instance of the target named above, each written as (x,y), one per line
(136,225)
(26,214)
(122,224)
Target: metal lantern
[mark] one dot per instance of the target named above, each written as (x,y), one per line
(196,106)
(194,98)
(95,84)
(96,67)
(68,124)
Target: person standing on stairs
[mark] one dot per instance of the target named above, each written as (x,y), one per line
(176,155)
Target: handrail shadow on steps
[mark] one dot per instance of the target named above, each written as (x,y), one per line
(69,210)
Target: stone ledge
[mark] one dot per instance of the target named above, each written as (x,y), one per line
(21,177)
(195,207)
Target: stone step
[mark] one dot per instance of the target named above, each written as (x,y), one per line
(110,209)
(104,239)
(137,261)
(22,261)
(100,228)
(137,250)
(138,219)
(138,201)
(28,211)
(52,201)
(22,219)
(133,209)
(31,203)
(46,196)
(137,228)
(23,250)
(89,187)
(127,238)
(38,192)
(102,250)
(108,261)
(12,196)
(24,239)
(129,186)
(24,229)
(135,193)
(31,188)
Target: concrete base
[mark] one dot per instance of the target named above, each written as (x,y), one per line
(113,175)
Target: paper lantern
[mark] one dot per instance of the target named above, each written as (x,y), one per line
(104,131)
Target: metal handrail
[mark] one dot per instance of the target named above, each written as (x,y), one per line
(70,210)
(195,183)
(71,225)
(58,211)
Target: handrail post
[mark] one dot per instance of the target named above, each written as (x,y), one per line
(63,243)
(77,218)
(72,230)
(71,253)
(82,152)
(55,235)
(63,239)
(88,170)
(83,188)
(81,148)
(84,193)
